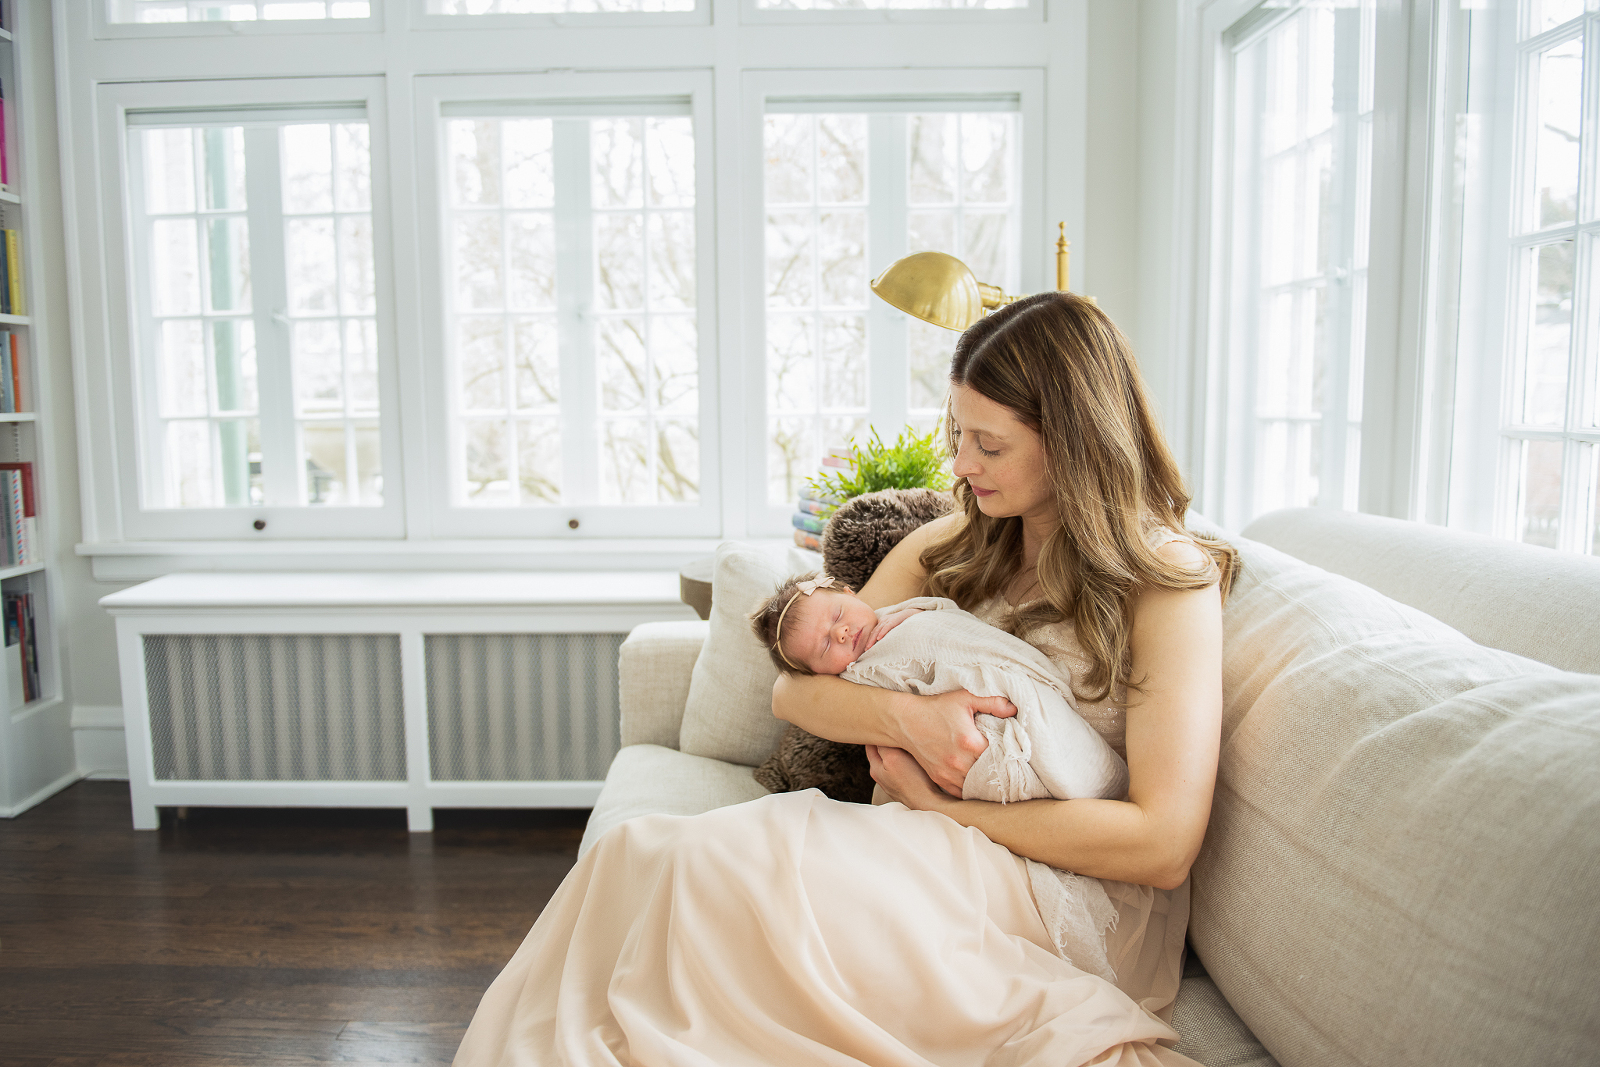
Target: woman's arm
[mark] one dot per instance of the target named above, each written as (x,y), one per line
(938,731)
(1173,741)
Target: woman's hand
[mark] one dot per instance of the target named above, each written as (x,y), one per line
(938,733)
(903,778)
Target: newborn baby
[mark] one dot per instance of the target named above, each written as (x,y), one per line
(816,625)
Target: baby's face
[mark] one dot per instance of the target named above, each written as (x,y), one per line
(828,630)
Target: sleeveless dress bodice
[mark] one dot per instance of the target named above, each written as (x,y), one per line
(1059,642)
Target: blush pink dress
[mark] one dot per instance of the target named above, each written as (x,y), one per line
(800,930)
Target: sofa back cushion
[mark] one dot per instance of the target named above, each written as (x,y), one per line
(728,714)
(1403,861)
(1522,598)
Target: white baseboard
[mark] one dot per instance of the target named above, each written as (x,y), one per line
(98,742)
(44,794)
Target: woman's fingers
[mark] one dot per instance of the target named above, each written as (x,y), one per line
(901,777)
(999,707)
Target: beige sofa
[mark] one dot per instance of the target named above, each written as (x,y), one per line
(1403,861)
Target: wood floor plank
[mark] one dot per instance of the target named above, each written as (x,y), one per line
(242,938)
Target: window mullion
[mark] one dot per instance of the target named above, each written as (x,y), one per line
(574,223)
(1341,258)
(281,482)
(886,242)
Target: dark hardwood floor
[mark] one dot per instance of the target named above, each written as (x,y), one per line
(252,937)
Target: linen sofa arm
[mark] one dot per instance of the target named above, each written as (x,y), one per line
(653,679)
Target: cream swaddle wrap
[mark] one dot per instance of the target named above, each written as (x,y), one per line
(1045,750)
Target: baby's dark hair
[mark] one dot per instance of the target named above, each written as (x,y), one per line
(765,619)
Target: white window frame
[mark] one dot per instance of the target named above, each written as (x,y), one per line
(1399,378)
(903,91)
(1487,432)
(814,52)
(123,386)
(549,94)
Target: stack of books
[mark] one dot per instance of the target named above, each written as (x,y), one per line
(816,506)
(22,648)
(18,515)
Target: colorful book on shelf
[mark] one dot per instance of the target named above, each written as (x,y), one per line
(808,540)
(5,160)
(5,280)
(18,542)
(14,377)
(8,382)
(819,508)
(19,305)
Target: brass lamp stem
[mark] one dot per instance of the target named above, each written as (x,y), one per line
(1063,251)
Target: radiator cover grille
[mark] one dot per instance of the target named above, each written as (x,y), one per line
(275,707)
(522,707)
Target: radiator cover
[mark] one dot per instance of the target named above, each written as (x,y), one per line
(275,707)
(521,707)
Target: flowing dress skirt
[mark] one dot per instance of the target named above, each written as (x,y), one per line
(798,930)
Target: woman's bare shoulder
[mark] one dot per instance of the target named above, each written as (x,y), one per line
(901,574)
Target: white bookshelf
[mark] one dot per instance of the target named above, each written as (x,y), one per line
(36,751)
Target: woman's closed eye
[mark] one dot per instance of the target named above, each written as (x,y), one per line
(977,443)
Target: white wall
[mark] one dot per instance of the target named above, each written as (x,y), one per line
(1107,263)
(87,645)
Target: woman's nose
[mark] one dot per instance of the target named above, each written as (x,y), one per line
(962,465)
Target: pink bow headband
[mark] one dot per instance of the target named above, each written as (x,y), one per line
(821,581)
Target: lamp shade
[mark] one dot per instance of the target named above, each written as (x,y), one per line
(934,287)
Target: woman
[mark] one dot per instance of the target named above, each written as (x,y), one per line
(795,929)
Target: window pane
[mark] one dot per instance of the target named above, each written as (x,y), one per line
(824,205)
(1549,336)
(1551,13)
(234,10)
(552,7)
(1303,129)
(612,372)
(205,258)
(1557,122)
(1539,493)
(900,5)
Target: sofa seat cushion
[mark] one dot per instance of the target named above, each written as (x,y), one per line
(651,779)
(1211,1032)
(1403,860)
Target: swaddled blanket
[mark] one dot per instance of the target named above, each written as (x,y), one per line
(1045,750)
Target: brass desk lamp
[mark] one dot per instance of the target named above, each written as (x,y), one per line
(940,289)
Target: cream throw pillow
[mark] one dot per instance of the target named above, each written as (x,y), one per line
(728,715)
(1403,861)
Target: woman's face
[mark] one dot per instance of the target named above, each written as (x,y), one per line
(1001,458)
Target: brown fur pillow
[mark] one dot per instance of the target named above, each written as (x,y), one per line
(855,541)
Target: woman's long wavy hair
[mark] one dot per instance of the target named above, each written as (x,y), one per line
(1061,366)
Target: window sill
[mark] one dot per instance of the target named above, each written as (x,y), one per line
(130,561)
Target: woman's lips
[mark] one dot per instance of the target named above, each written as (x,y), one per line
(981,492)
